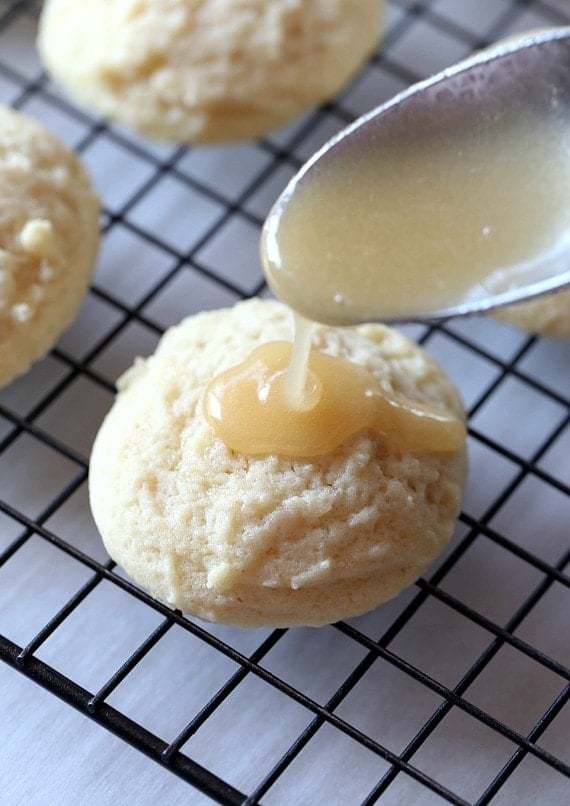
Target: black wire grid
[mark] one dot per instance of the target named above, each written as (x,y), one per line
(455,692)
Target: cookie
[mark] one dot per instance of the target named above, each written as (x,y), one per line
(206,71)
(268,540)
(548,315)
(49,236)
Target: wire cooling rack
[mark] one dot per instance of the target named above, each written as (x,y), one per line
(457,691)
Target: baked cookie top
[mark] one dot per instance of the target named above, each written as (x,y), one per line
(548,315)
(204,70)
(49,236)
(268,540)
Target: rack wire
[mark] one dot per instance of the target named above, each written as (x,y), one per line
(457,691)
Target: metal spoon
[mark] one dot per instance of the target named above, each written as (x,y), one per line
(529,73)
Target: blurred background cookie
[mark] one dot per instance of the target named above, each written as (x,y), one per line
(203,70)
(49,236)
(548,315)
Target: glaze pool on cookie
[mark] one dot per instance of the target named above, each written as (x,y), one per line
(250,412)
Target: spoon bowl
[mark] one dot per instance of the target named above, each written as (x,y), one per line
(452,198)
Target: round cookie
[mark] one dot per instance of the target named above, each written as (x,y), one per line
(206,71)
(548,315)
(49,236)
(268,540)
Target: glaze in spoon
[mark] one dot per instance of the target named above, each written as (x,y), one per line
(452,198)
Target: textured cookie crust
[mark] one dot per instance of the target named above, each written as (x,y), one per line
(545,316)
(206,70)
(267,540)
(49,235)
